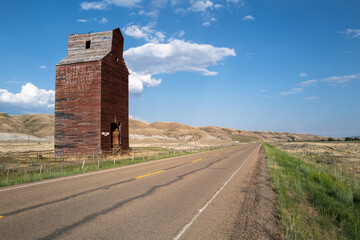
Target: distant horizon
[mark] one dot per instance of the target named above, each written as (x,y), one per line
(198,126)
(278,66)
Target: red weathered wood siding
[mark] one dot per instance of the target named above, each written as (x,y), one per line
(89,96)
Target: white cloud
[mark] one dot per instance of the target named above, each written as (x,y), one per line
(217,6)
(336,80)
(311,98)
(302,74)
(200,6)
(248,18)
(181,33)
(82,20)
(30,96)
(206,24)
(124,3)
(103,20)
(176,55)
(352,33)
(42,67)
(158,3)
(264,91)
(308,83)
(14,82)
(145,32)
(292,91)
(104,5)
(93,5)
(138,81)
(153,13)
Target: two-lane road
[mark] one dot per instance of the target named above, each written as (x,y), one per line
(196,196)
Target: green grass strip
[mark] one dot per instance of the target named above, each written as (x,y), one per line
(33,175)
(312,203)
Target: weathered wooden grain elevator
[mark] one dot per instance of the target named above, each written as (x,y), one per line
(91,95)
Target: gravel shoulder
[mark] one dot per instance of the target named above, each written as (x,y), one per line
(257,218)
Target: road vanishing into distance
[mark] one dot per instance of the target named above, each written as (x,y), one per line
(196,196)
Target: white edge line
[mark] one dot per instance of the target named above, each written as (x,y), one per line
(178,236)
(103,171)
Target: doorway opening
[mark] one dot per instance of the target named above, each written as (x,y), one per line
(115,137)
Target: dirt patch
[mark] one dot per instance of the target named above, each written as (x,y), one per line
(257,218)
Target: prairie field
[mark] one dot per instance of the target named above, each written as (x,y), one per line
(342,158)
(318,190)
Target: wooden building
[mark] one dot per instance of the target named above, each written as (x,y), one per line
(91,95)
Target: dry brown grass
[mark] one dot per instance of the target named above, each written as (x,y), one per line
(342,157)
(25,147)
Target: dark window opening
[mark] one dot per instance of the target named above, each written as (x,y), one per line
(87,45)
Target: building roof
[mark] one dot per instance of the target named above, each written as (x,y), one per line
(80,50)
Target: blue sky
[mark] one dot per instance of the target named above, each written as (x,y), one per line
(280,65)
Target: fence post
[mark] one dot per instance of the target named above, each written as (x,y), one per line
(61,167)
(82,167)
(7,174)
(114,160)
(132,160)
(41,167)
(99,162)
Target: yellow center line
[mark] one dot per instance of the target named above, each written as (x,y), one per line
(197,160)
(149,174)
(216,154)
(1,216)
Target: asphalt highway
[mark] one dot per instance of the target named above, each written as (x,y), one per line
(195,196)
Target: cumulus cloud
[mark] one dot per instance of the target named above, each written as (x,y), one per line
(206,24)
(145,32)
(248,18)
(138,81)
(42,67)
(93,5)
(200,6)
(351,33)
(176,55)
(308,83)
(302,74)
(82,20)
(29,96)
(153,13)
(337,80)
(292,91)
(105,4)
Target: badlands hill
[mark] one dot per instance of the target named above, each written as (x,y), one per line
(37,126)
(41,126)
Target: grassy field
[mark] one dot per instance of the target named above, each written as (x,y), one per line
(314,201)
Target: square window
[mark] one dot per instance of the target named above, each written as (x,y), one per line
(87,45)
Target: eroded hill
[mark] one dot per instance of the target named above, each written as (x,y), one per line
(42,126)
